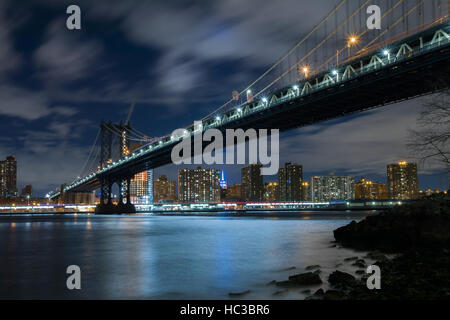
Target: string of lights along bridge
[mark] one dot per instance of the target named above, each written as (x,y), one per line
(338,68)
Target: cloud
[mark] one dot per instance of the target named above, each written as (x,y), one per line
(9,59)
(64,57)
(49,156)
(28,105)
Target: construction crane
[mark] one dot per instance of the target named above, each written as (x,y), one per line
(141,136)
(130,112)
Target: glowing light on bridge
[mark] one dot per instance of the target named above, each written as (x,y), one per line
(352,40)
(305,70)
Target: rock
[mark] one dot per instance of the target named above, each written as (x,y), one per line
(319,293)
(307,291)
(419,224)
(286,283)
(318,271)
(360,263)
(351,259)
(333,295)
(315,266)
(341,279)
(376,255)
(235,294)
(360,271)
(338,265)
(308,278)
(271,282)
(277,293)
(287,269)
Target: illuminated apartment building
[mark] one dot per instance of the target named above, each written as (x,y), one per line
(331,187)
(402,181)
(198,185)
(369,190)
(8,177)
(164,190)
(271,192)
(290,182)
(252,183)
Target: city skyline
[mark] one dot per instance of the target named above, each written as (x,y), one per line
(52,112)
(145,188)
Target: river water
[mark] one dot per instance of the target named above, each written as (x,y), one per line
(164,257)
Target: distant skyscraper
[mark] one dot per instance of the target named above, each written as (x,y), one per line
(331,187)
(306,191)
(198,185)
(8,177)
(369,190)
(234,192)
(27,191)
(141,187)
(290,181)
(252,183)
(271,192)
(223,181)
(164,190)
(402,181)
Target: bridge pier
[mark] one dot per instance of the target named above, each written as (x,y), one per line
(109,207)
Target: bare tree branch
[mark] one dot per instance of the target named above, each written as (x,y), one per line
(431,141)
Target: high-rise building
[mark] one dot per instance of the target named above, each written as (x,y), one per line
(369,190)
(8,178)
(141,185)
(306,191)
(164,190)
(271,192)
(402,181)
(252,183)
(223,186)
(198,185)
(223,181)
(27,191)
(234,192)
(331,187)
(290,181)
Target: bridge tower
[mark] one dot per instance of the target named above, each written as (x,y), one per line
(109,134)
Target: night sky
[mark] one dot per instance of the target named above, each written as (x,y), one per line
(182,59)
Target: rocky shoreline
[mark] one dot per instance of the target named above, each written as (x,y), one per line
(410,244)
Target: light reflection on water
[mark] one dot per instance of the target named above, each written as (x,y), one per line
(159,257)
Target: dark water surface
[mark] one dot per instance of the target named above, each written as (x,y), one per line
(160,257)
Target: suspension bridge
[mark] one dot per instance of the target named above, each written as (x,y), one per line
(340,67)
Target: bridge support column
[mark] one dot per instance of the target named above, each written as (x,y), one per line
(109,188)
(120,192)
(128,191)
